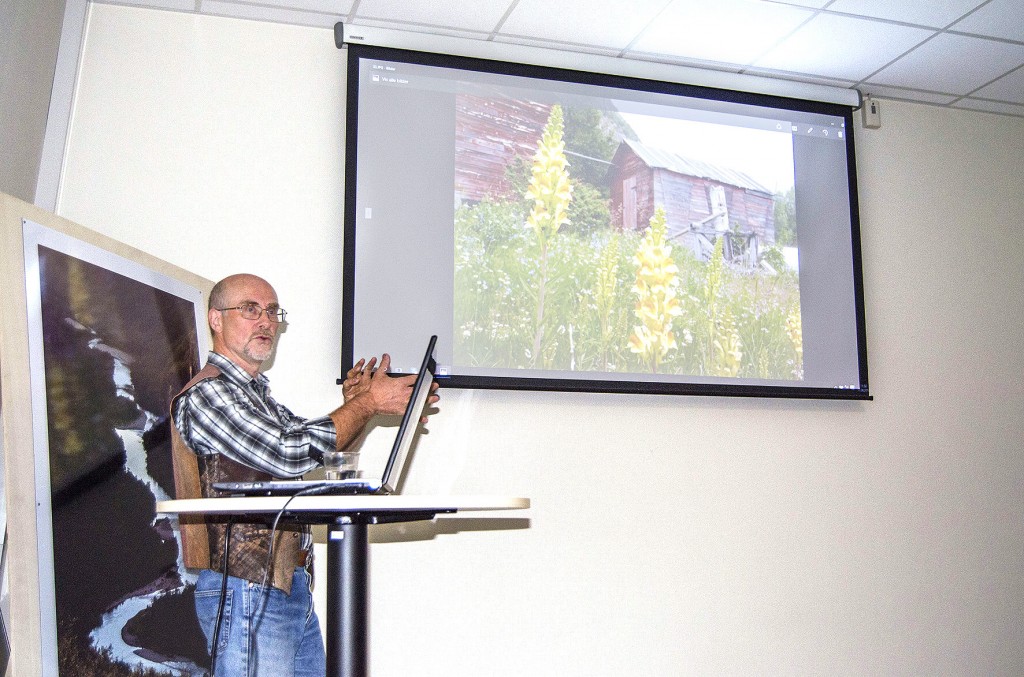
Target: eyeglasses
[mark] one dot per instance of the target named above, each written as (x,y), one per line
(253,311)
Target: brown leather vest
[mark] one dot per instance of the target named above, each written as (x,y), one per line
(202,536)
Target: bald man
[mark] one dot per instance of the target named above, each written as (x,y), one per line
(227,427)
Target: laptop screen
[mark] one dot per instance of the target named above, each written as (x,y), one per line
(411,419)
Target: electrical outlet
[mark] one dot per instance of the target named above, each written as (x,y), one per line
(871,113)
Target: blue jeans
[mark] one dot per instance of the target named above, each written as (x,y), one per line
(264,632)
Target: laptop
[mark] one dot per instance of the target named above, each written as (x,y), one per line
(387,483)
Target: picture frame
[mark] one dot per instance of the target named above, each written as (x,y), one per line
(98,337)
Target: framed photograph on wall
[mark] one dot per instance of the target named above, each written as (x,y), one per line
(110,341)
(5,594)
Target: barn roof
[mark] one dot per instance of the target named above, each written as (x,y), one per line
(657,158)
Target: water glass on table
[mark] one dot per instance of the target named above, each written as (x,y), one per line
(341,465)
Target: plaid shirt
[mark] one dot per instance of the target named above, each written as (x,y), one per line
(235,415)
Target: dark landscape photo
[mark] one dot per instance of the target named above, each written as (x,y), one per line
(115,351)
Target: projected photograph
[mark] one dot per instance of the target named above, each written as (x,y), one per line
(600,240)
(115,349)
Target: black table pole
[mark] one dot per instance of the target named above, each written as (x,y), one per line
(347,591)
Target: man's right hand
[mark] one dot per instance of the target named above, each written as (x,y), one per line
(390,394)
(369,392)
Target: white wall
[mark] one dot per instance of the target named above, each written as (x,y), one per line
(767,536)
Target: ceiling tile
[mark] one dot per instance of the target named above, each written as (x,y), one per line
(990,106)
(610,23)
(842,47)
(1007,88)
(484,15)
(934,13)
(729,31)
(999,18)
(264,13)
(954,64)
(815,4)
(334,7)
(432,30)
(834,42)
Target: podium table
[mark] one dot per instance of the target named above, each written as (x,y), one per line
(347,519)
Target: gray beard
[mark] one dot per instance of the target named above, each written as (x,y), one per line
(258,354)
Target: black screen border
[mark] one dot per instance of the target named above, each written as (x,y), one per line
(357,52)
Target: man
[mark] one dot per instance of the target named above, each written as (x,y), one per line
(228,427)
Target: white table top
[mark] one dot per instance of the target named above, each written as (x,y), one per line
(373,503)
